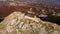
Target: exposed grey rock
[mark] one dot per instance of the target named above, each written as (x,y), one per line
(19,23)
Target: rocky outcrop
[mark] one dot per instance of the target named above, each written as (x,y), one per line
(19,23)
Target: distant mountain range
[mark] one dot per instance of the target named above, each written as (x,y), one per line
(5,6)
(36,1)
(50,1)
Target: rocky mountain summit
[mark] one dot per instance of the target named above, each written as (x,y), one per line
(19,23)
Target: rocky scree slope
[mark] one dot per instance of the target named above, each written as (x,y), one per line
(19,23)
